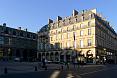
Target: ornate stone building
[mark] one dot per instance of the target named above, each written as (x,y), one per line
(17,43)
(82,35)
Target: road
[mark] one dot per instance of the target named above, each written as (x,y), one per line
(106,71)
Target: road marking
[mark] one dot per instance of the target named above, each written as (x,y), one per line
(70,75)
(55,74)
(97,71)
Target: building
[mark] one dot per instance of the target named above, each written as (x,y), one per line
(17,43)
(83,36)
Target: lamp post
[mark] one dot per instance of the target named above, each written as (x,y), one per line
(44,42)
(104,54)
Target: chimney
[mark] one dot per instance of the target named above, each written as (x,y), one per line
(82,11)
(75,12)
(99,15)
(4,24)
(85,10)
(59,18)
(25,29)
(19,28)
(112,27)
(37,32)
(108,23)
(50,21)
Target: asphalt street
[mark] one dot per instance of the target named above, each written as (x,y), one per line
(106,71)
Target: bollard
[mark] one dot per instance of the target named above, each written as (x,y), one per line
(5,70)
(35,68)
(45,67)
(78,65)
(67,66)
(62,67)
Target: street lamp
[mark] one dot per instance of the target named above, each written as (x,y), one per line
(44,42)
(104,54)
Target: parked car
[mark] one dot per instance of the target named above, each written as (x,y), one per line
(47,61)
(16,59)
(56,62)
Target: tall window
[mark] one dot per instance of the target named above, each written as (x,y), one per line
(63,23)
(81,43)
(89,23)
(57,25)
(81,25)
(67,28)
(56,45)
(9,31)
(74,35)
(67,35)
(1,40)
(10,41)
(56,31)
(89,31)
(18,42)
(61,30)
(61,45)
(51,46)
(39,48)
(56,37)
(61,37)
(74,44)
(74,27)
(82,18)
(89,42)
(81,33)
(17,33)
(51,38)
(67,44)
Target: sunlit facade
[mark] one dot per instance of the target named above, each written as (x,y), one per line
(83,36)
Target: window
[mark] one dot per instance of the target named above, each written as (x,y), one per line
(81,33)
(89,42)
(74,27)
(67,44)
(61,30)
(52,32)
(67,36)
(56,31)
(18,42)
(61,37)
(1,40)
(89,23)
(51,38)
(63,23)
(89,16)
(56,37)
(68,22)
(61,45)
(1,30)
(24,34)
(57,25)
(47,47)
(10,41)
(81,25)
(74,35)
(51,46)
(74,44)
(17,33)
(39,48)
(67,28)
(56,45)
(89,31)
(9,31)
(81,43)
(82,18)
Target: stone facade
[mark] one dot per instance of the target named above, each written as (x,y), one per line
(17,43)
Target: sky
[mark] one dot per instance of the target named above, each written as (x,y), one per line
(34,14)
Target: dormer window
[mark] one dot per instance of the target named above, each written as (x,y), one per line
(17,33)
(30,35)
(9,31)
(1,30)
(89,16)
(24,34)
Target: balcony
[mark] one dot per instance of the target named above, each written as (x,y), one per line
(79,27)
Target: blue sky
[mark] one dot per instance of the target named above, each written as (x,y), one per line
(33,14)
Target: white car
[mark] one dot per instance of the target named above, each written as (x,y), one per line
(16,59)
(47,61)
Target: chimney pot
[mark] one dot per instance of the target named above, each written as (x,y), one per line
(25,29)
(4,24)
(82,11)
(19,28)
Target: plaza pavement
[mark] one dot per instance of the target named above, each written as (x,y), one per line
(26,67)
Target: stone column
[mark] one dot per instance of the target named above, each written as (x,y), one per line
(59,55)
(64,56)
(94,56)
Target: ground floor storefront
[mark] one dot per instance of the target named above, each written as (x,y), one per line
(89,56)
